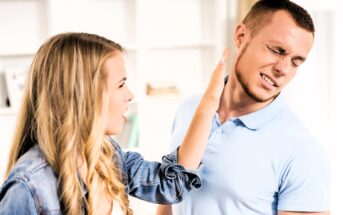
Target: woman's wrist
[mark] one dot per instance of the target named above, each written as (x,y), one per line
(208,105)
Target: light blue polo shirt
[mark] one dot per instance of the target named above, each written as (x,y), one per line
(256,164)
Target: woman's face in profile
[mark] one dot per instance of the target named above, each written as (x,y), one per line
(118,93)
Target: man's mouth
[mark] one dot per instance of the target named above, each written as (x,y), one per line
(268,80)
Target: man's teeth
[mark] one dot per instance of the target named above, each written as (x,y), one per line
(268,80)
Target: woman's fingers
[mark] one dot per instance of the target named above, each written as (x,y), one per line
(216,84)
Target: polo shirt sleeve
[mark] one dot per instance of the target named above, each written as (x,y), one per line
(305,182)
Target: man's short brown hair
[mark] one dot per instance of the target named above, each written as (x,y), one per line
(261,14)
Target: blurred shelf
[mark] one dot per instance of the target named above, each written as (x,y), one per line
(16,54)
(186,45)
(171,46)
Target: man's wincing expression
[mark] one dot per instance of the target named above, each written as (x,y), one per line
(270,59)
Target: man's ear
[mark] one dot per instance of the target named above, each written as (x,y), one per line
(241,35)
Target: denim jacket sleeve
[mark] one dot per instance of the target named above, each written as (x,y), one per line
(162,183)
(16,198)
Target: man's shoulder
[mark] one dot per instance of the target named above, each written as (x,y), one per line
(188,106)
(291,130)
(291,123)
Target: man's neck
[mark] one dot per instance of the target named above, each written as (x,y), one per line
(235,102)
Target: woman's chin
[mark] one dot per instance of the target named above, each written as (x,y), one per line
(114,131)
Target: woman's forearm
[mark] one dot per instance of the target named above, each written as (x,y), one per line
(193,147)
(194,143)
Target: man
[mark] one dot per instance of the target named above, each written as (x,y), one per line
(259,158)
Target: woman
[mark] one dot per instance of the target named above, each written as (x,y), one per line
(62,160)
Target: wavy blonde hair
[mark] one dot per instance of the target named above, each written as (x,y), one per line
(62,111)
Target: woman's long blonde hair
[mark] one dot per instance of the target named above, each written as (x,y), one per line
(62,112)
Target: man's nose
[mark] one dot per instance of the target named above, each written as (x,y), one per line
(282,66)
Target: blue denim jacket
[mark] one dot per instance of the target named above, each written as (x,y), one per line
(31,187)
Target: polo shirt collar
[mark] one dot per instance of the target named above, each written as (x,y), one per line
(261,117)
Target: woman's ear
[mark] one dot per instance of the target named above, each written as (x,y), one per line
(240,35)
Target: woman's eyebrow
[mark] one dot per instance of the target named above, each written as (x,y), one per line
(123,79)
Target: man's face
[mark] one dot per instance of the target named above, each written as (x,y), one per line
(269,60)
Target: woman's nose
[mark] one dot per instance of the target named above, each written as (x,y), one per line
(130,95)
